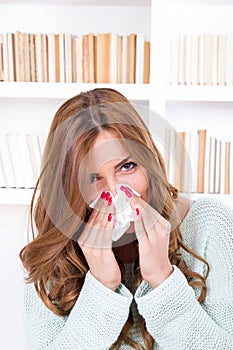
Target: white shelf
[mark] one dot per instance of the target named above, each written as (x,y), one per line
(198,93)
(67,90)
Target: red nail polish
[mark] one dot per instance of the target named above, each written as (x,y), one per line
(108,196)
(103,195)
(127,191)
(137,211)
(109,217)
(110,201)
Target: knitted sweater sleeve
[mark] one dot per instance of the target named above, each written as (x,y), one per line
(94,322)
(173,316)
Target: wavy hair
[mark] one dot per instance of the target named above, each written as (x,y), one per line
(55,262)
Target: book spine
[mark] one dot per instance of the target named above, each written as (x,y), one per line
(139,59)
(5,58)
(201,160)
(7,161)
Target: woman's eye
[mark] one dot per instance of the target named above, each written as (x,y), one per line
(128,166)
(93,178)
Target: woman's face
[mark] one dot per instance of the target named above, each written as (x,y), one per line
(109,164)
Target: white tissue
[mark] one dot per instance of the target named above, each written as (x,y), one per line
(123,213)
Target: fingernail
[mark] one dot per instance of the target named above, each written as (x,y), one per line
(110,201)
(107,196)
(137,211)
(127,191)
(109,217)
(103,195)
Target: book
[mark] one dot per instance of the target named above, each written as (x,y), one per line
(229,59)
(194,60)
(102,57)
(32,55)
(194,156)
(119,59)
(1,59)
(207,163)
(146,78)
(215,61)
(222,167)
(200,78)
(181,56)
(7,161)
(68,58)
(3,182)
(208,59)
(10,56)
(227,167)
(38,53)
(17,160)
(201,160)
(35,154)
(91,57)
(131,58)
(61,57)
(212,164)
(188,60)
(217,166)
(221,60)
(139,59)
(231,169)
(187,162)
(26,161)
(51,58)
(5,57)
(113,66)
(179,156)
(73,59)
(27,73)
(124,59)
(78,61)
(57,57)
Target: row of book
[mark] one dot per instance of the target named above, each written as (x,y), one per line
(201,60)
(195,161)
(101,58)
(20,160)
(198,162)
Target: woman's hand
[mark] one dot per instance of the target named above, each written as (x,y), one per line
(96,244)
(152,231)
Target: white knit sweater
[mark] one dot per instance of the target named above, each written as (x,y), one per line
(173,315)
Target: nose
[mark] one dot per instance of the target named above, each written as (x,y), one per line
(110,185)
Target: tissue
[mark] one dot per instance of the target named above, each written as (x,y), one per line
(123,213)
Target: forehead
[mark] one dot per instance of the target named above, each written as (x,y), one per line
(106,147)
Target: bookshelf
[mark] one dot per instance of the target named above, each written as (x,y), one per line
(29,107)
(191,106)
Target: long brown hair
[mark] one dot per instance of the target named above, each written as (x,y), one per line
(55,262)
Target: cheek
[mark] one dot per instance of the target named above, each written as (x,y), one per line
(140,184)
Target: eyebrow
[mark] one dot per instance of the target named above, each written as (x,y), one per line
(121,162)
(116,166)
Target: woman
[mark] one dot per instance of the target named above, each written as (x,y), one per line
(165,284)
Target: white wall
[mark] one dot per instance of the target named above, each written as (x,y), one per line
(13,221)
